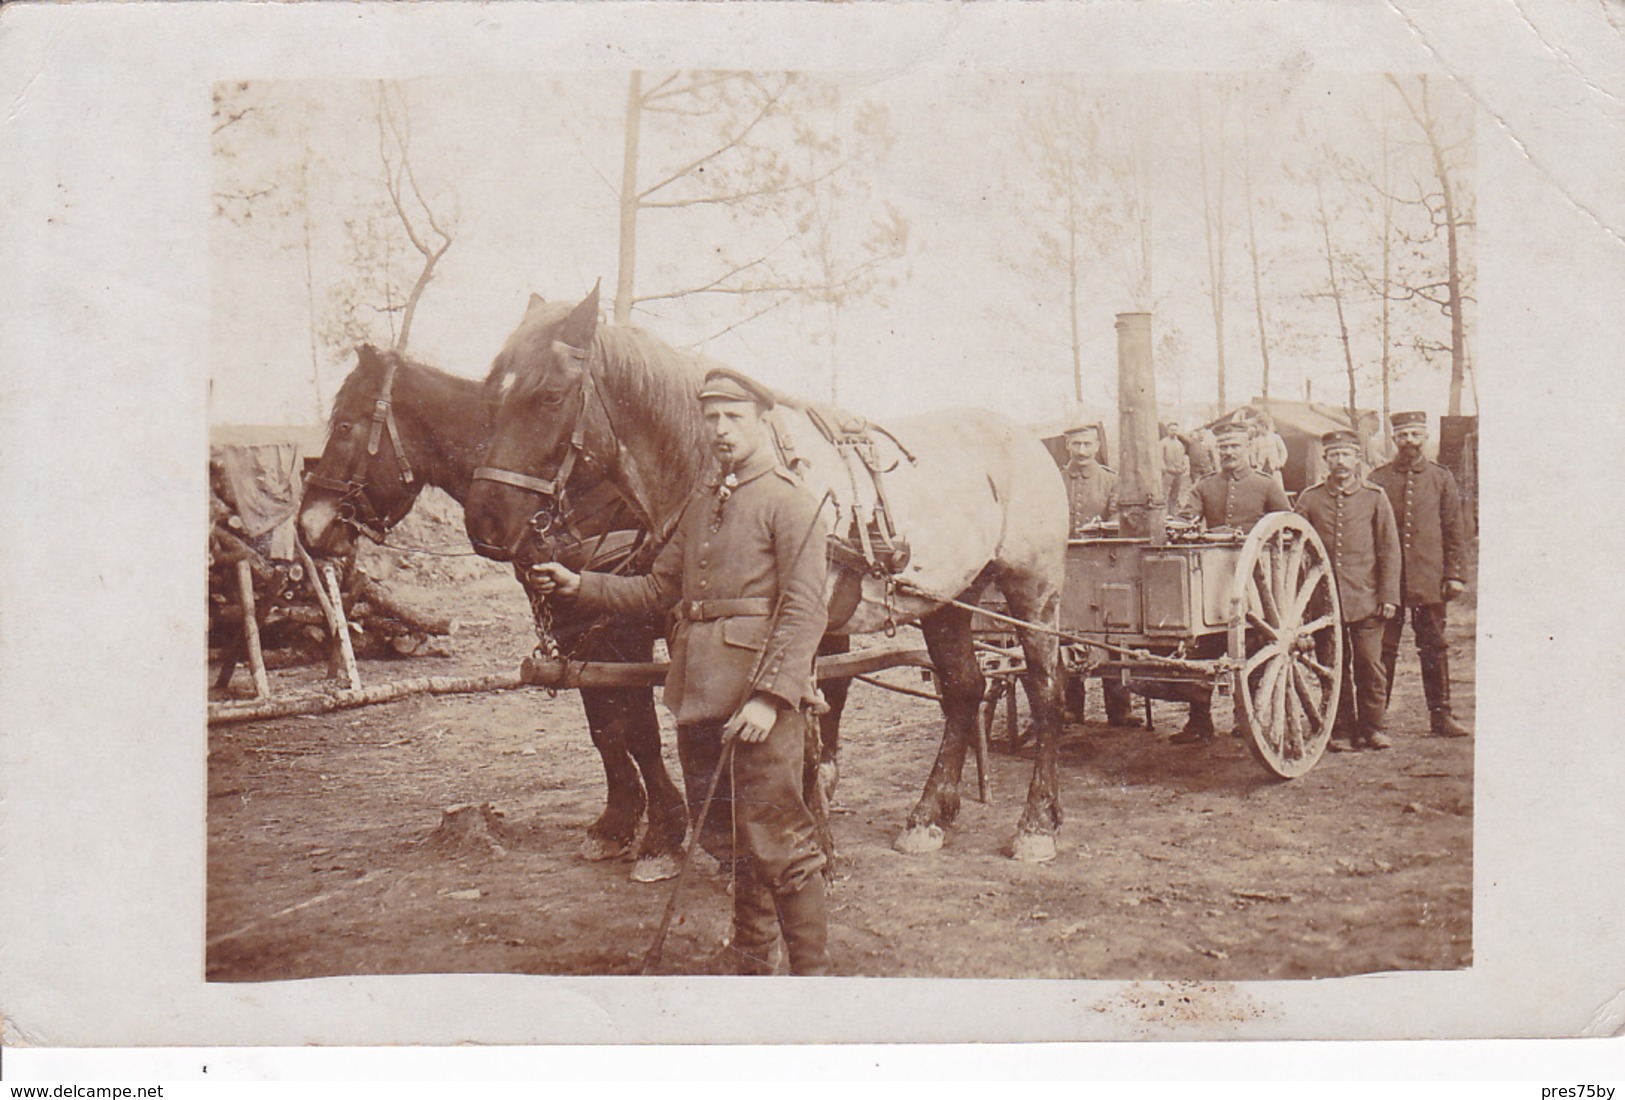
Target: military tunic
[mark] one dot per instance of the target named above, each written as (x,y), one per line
(1236,500)
(1091,492)
(1357,525)
(1427,507)
(731,564)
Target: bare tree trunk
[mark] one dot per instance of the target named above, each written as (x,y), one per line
(1458,332)
(1252,247)
(310,280)
(1213,217)
(1072,288)
(1387,287)
(433,241)
(630,200)
(1337,300)
(429,262)
(1422,113)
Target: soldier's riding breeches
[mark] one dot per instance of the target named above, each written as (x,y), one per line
(762,807)
(1427,623)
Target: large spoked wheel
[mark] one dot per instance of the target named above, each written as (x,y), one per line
(1286,638)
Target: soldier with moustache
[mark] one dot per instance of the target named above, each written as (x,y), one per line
(1427,507)
(1091,495)
(744,577)
(1091,487)
(1237,497)
(1356,522)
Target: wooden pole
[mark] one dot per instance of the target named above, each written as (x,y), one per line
(346,650)
(251,630)
(318,584)
(344,699)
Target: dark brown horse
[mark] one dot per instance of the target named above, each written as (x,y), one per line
(397,426)
(978,499)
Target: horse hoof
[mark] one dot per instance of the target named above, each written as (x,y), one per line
(654,868)
(596,849)
(919,840)
(1033,848)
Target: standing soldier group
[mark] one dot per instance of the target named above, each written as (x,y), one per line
(1394,538)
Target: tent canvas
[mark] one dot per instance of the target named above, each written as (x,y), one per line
(1301,424)
(258,472)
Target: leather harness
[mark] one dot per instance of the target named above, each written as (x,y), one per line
(352,488)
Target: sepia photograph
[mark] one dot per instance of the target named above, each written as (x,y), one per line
(1132,637)
(646,523)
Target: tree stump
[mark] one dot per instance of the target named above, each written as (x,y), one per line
(472,830)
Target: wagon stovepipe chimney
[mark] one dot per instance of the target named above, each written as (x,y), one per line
(1142,509)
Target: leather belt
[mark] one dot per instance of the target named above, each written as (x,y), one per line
(745,606)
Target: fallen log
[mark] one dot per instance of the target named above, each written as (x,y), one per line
(346,698)
(384,605)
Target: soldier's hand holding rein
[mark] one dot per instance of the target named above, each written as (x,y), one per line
(754,720)
(1387,611)
(552,578)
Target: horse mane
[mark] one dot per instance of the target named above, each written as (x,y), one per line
(360,386)
(661,385)
(650,390)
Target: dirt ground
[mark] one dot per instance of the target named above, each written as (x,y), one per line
(1175,863)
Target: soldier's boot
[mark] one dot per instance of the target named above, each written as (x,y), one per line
(1198,727)
(1436,686)
(804,919)
(755,929)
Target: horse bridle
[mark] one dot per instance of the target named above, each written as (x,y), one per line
(553,489)
(355,507)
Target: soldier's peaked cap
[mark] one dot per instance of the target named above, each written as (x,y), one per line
(1342,437)
(1074,429)
(1406,419)
(724,384)
(1229,428)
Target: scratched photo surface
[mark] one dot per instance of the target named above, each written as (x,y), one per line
(1117,801)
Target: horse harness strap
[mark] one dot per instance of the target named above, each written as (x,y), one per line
(553,487)
(353,488)
(383,420)
(872,546)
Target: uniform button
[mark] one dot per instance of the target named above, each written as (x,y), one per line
(703,563)
(703,584)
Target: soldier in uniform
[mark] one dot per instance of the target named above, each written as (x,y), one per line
(1237,496)
(1427,507)
(1091,488)
(1356,522)
(1200,448)
(1091,493)
(744,576)
(1176,468)
(1269,454)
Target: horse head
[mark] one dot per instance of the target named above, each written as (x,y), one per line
(547,419)
(364,480)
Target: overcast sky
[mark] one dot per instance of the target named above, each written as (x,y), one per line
(530,167)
